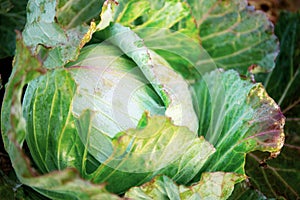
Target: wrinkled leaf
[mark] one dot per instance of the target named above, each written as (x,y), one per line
(217,185)
(229,35)
(238,117)
(235,35)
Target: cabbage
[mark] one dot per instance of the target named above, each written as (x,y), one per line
(135,105)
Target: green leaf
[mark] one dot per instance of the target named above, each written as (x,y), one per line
(211,186)
(280,177)
(171,87)
(284,87)
(232,35)
(12,17)
(238,117)
(161,187)
(235,35)
(189,164)
(19,77)
(243,191)
(48,112)
(139,154)
(58,184)
(76,12)
(155,14)
(11,188)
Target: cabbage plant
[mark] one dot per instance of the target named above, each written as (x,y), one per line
(153,101)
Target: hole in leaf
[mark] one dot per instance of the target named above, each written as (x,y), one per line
(263,165)
(138,21)
(265,7)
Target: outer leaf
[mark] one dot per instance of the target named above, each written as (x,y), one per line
(168,28)
(247,120)
(139,154)
(69,49)
(281,177)
(190,163)
(284,87)
(156,14)
(243,191)
(12,17)
(16,82)
(170,86)
(41,29)
(11,188)
(160,187)
(211,186)
(217,185)
(235,35)
(58,185)
(182,52)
